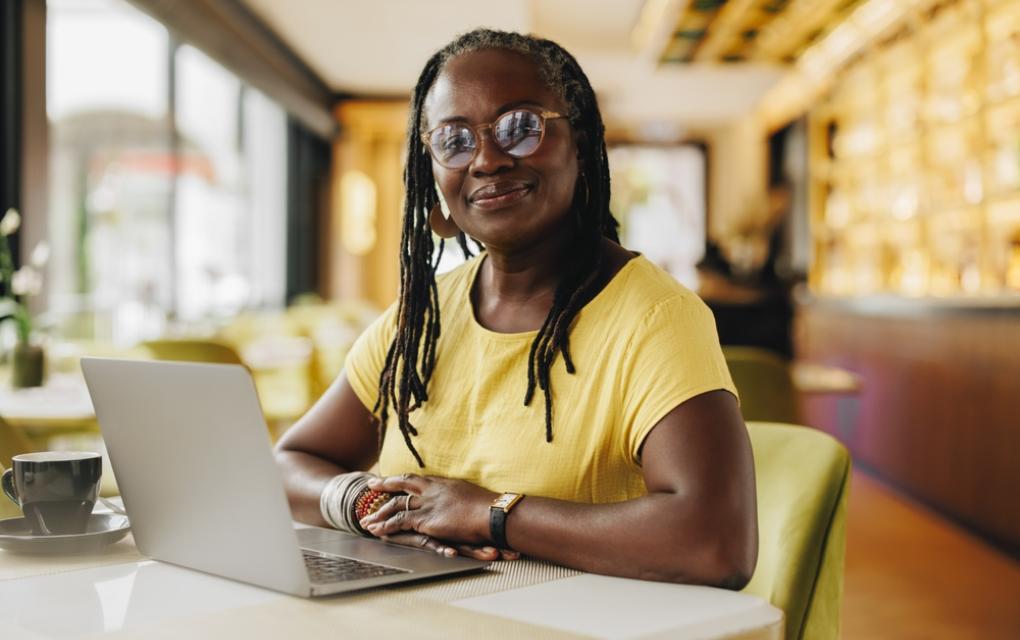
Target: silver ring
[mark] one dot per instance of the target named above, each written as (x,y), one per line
(424,540)
(407,504)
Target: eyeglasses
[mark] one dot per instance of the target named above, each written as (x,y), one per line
(519,133)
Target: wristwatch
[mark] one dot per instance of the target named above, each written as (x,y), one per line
(498,511)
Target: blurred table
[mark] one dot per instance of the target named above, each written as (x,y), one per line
(811,377)
(62,404)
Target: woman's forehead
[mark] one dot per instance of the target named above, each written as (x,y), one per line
(476,86)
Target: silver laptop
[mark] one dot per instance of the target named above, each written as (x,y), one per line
(192,455)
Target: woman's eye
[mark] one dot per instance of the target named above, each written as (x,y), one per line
(456,142)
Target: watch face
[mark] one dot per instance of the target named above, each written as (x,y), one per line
(504,500)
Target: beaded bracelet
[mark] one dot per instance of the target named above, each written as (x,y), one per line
(369,502)
(346,499)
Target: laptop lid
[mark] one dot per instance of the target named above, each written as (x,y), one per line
(191,451)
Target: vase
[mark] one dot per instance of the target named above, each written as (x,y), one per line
(27,366)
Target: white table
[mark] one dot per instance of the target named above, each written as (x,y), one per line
(117,594)
(60,404)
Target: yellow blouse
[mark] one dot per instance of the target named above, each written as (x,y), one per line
(641,347)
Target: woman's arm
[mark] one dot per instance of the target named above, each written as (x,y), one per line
(335,436)
(698,523)
(338,435)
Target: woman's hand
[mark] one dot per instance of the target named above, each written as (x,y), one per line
(423,541)
(454,512)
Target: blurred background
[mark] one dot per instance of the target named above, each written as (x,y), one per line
(220,180)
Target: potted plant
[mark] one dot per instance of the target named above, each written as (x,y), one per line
(28,358)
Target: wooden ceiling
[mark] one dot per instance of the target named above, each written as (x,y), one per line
(734,31)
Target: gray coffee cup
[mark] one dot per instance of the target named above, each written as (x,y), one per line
(56,490)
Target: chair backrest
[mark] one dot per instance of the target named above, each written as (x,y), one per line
(192,351)
(802,476)
(11,444)
(764,383)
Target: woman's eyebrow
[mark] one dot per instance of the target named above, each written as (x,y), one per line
(500,111)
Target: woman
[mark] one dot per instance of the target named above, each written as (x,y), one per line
(636,462)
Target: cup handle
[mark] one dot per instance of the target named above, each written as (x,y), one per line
(7,484)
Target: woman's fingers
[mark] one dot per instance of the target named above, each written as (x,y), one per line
(421,541)
(478,553)
(394,506)
(487,553)
(407,483)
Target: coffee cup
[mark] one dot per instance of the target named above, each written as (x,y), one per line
(56,490)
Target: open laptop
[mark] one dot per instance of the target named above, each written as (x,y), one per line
(192,455)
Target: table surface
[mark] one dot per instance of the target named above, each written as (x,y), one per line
(117,593)
(62,403)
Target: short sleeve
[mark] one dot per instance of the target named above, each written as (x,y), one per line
(673,356)
(367,357)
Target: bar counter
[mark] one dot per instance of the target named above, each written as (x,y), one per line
(938,413)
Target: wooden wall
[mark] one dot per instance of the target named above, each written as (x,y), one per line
(939,413)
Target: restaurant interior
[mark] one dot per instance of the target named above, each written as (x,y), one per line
(839,180)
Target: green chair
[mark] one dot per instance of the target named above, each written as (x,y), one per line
(192,351)
(803,477)
(764,383)
(12,443)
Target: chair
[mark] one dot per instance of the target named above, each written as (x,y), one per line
(802,477)
(12,443)
(764,383)
(192,351)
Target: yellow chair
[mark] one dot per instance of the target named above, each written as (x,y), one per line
(803,477)
(192,351)
(764,383)
(12,443)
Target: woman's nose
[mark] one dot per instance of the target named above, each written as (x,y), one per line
(490,157)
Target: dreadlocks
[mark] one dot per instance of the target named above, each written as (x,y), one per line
(411,358)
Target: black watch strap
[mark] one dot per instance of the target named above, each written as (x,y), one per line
(498,511)
(497,527)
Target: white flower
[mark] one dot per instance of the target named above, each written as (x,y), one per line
(10,222)
(26,282)
(40,255)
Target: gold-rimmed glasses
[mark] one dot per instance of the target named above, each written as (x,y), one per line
(518,133)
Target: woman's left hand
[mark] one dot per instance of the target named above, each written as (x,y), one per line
(452,510)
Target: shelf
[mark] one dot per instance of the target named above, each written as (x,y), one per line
(922,195)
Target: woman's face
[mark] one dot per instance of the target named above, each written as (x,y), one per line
(505,202)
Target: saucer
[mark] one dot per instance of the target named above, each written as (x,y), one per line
(103,529)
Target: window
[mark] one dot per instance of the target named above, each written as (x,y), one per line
(659,199)
(168,178)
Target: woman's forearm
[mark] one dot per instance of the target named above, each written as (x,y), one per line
(304,477)
(655,537)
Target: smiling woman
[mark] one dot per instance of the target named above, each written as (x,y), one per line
(637,462)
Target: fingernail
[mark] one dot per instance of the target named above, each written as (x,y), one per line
(488,549)
(365,521)
(449,552)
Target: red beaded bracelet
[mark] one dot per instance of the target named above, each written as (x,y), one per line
(370,501)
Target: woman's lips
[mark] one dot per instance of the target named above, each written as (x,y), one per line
(499,196)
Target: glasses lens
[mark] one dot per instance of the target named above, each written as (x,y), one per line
(453,145)
(518,133)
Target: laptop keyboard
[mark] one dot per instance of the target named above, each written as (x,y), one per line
(324,569)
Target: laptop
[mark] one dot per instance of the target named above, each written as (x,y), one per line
(193,459)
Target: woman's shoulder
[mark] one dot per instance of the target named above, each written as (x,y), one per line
(645,288)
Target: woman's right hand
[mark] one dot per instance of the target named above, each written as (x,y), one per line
(422,541)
